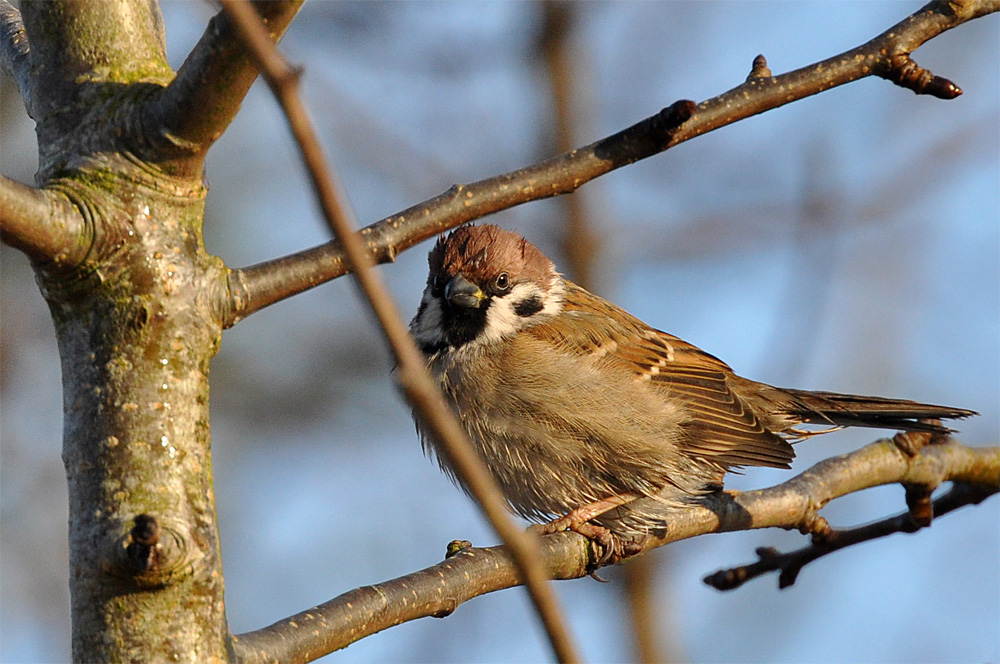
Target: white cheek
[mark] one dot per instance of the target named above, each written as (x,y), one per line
(501,318)
(501,321)
(426,326)
(554,299)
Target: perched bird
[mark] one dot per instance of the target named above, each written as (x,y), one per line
(585,414)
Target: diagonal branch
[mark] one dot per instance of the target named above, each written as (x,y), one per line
(887,55)
(414,378)
(195,109)
(790,564)
(43,224)
(14,49)
(266,283)
(800,498)
(438,590)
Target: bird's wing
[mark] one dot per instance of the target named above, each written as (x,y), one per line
(721,426)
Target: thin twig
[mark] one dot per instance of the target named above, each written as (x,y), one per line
(258,286)
(413,375)
(790,564)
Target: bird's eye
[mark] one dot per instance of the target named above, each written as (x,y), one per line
(502,282)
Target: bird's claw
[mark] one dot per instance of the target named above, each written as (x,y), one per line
(606,548)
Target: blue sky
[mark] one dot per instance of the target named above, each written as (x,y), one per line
(847,242)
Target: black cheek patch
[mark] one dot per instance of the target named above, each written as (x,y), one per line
(529,307)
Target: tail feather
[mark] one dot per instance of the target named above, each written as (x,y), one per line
(875,412)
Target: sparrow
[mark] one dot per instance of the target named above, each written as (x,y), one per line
(590,419)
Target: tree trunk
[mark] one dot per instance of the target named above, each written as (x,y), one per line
(134,317)
(135,339)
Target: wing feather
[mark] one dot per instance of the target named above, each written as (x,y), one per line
(722,427)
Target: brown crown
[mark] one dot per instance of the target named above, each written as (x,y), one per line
(479,253)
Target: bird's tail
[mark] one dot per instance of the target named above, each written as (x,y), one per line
(877,412)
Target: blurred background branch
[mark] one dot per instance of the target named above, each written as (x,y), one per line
(581,248)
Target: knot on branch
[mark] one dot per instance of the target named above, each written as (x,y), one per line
(817,527)
(669,120)
(154,554)
(911,442)
(646,137)
(143,552)
(95,244)
(904,72)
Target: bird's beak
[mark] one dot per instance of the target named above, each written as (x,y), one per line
(462,293)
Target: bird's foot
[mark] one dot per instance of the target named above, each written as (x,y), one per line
(606,547)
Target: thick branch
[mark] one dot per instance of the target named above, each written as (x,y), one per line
(887,55)
(425,397)
(75,43)
(42,224)
(204,97)
(14,59)
(438,590)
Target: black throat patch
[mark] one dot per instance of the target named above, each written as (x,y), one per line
(462,325)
